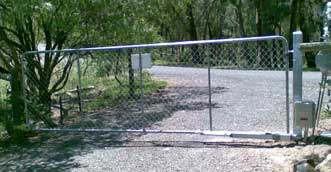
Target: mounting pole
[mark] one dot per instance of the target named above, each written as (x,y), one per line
(297,76)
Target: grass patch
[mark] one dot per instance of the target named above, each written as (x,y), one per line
(108,91)
(326,113)
(4,112)
(3,134)
(4,107)
(160,62)
(319,140)
(114,93)
(310,69)
(2,129)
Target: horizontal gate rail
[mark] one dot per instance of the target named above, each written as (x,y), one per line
(315,46)
(231,134)
(171,44)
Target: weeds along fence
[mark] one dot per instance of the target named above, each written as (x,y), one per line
(175,86)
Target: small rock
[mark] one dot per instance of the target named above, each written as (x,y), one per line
(304,166)
(325,165)
(317,152)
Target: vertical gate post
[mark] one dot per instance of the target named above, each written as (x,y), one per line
(141,86)
(79,89)
(209,90)
(297,76)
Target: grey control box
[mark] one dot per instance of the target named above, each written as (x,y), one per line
(304,114)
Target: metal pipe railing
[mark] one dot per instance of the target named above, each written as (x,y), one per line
(171,44)
(315,46)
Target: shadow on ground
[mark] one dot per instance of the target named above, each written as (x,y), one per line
(130,114)
(52,151)
(55,151)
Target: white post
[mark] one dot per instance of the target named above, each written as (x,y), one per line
(297,76)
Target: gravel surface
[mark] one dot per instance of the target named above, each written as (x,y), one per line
(242,101)
(152,159)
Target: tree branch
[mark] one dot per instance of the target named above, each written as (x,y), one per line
(64,77)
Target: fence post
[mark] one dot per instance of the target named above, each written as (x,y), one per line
(141,85)
(209,90)
(297,76)
(79,87)
(79,94)
(24,87)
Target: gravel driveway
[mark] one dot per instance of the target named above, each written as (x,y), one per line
(242,100)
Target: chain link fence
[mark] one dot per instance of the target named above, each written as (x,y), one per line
(235,84)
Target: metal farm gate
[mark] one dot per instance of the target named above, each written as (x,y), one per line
(232,87)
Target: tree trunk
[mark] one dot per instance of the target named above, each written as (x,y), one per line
(258,22)
(304,26)
(15,125)
(258,18)
(195,54)
(45,109)
(131,76)
(293,26)
(240,19)
(220,30)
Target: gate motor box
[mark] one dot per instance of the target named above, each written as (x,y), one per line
(304,114)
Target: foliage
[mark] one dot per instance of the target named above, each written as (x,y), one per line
(326,112)
(119,22)
(24,25)
(4,108)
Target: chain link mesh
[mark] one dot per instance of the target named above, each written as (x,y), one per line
(103,90)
